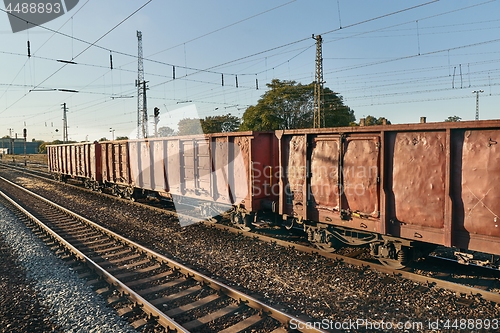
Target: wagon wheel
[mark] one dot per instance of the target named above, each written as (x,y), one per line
(116,191)
(95,186)
(288,223)
(239,221)
(129,194)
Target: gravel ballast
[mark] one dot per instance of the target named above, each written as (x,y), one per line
(39,293)
(296,282)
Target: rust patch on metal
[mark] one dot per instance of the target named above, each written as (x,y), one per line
(418,179)
(325,174)
(480,182)
(241,167)
(361,174)
(297,171)
(221,158)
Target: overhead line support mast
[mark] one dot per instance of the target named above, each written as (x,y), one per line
(142,110)
(319,114)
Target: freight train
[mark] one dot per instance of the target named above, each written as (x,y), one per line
(401,189)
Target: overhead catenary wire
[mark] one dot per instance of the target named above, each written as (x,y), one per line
(83,51)
(215,71)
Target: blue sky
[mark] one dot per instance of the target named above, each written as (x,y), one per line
(397,59)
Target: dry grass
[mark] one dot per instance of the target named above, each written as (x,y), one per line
(31,158)
(38,158)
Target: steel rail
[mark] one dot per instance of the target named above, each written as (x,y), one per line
(455,287)
(430,281)
(42,174)
(147,307)
(159,316)
(452,286)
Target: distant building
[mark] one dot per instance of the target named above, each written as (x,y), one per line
(16,146)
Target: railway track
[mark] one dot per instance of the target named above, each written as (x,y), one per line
(146,286)
(464,292)
(46,175)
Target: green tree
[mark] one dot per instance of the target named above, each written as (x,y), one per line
(165,131)
(122,138)
(453,119)
(217,124)
(288,104)
(42,149)
(188,126)
(371,120)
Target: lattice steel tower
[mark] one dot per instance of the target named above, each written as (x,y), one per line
(477,92)
(319,114)
(142,110)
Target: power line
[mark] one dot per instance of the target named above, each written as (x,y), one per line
(90,45)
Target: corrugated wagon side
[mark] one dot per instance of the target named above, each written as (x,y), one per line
(79,161)
(115,168)
(213,173)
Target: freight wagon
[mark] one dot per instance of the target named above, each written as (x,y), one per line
(214,173)
(79,161)
(400,188)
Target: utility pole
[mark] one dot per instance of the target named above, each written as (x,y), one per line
(142,110)
(65,123)
(477,102)
(25,134)
(319,114)
(11,140)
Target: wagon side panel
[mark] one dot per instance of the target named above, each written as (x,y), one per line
(293,168)
(105,171)
(222,191)
(476,190)
(173,167)
(241,170)
(360,171)
(325,190)
(95,162)
(417,185)
(158,157)
(132,155)
(260,160)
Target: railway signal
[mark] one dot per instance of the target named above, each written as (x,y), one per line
(156,119)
